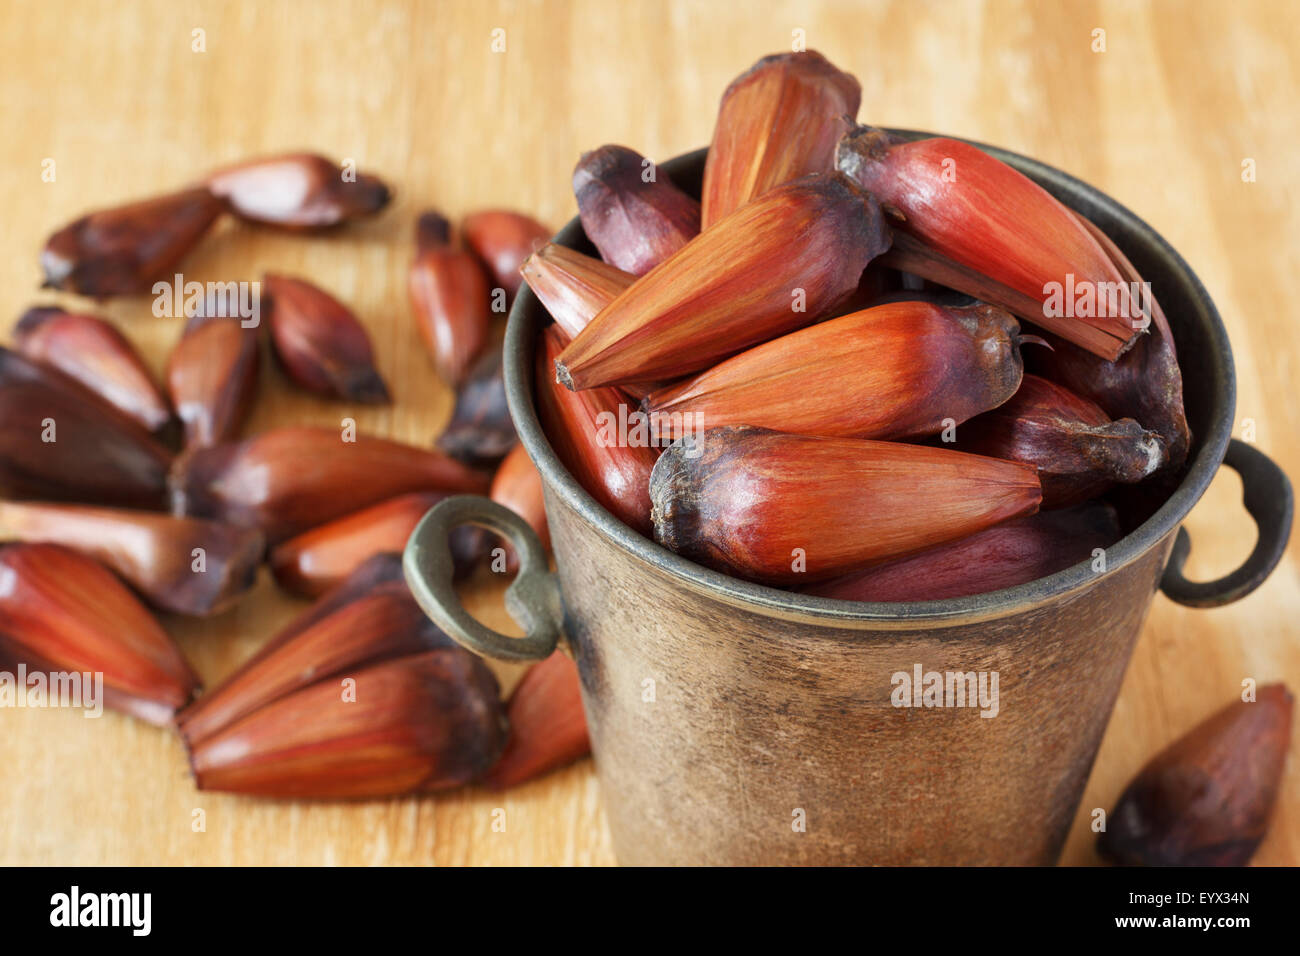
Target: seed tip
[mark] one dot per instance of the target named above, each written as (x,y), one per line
(432,230)
(562,376)
(366,385)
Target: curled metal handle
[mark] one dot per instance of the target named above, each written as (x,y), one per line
(533,598)
(1268,499)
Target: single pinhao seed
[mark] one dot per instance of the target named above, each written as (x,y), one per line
(424,722)
(1011,553)
(184,565)
(1206,799)
(976,210)
(212,377)
(630,210)
(481,430)
(92,351)
(320,344)
(123,250)
(287,480)
(743,500)
(450,298)
(779,120)
(298,191)
(63,611)
(548,728)
(899,370)
(61,441)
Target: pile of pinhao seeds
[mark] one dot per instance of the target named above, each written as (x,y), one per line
(833,343)
(838,336)
(123,497)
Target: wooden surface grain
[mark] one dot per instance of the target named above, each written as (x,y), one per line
(1163,120)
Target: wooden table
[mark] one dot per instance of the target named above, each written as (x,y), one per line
(120,100)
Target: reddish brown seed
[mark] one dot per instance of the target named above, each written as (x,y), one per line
(573,287)
(61,611)
(1145,383)
(791,509)
(779,263)
(518,486)
(317,560)
(981,213)
(632,212)
(212,377)
(121,251)
(59,440)
(425,722)
(92,351)
(1078,450)
(583,429)
(320,344)
(287,480)
(1206,799)
(503,240)
(450,298)
(299,191)
(1011,553)
(548,728)
(779,120)
(368,618)
(184,565)
(900,370)
(481,430)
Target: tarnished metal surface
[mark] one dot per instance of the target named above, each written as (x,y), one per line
(714,727)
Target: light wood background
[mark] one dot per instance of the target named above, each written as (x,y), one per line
(114,93)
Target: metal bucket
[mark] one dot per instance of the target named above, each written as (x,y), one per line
(738,724)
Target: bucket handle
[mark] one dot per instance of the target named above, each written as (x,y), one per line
(533,598)
(1269,501)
